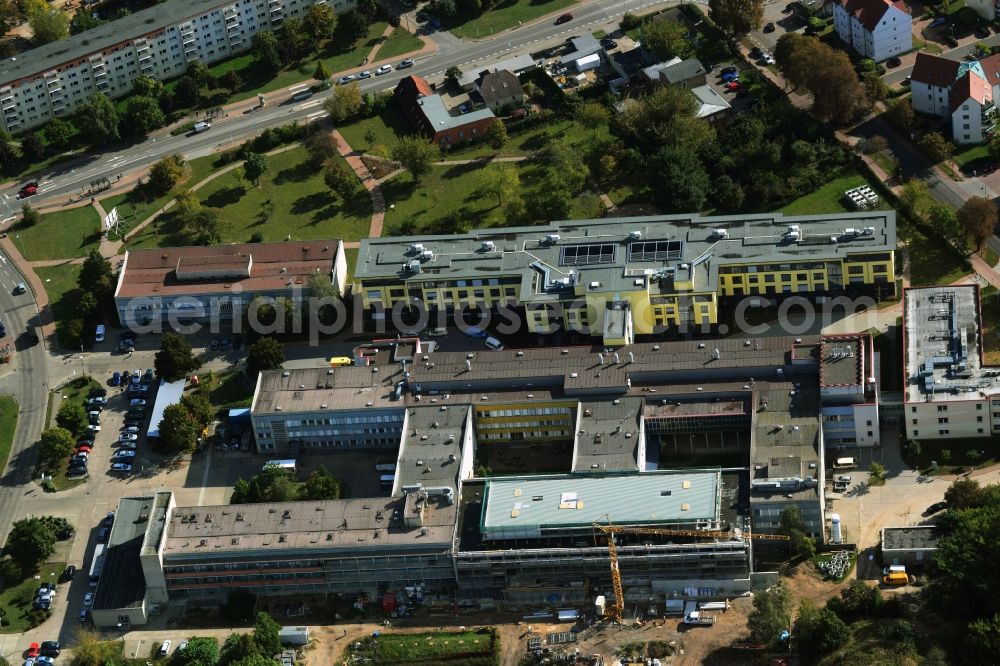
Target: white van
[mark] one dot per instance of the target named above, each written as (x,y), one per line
(845,463)
(201,127)
(893,568)
(99,333)
(494,344)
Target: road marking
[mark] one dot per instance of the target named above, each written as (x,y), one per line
(317,114)
(311,104)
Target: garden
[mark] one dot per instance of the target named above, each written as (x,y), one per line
(479,647)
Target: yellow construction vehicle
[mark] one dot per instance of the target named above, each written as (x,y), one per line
(617,610)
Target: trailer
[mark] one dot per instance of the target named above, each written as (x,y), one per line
(693,616)
(97,565)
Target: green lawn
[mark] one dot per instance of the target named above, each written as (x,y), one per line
(507,15)
(972,154)
(77,391)
(64,234)
(15,600)
(472,648)
(387,127)
(8,424)
(227,390)
(400,42)
(255,81)
(952,455)
(931,261)
(63,292)
(829,198)
(292,190)
(351,255)
(990,329)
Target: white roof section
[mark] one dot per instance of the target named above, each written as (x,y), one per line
(169,393)
(710,102)
(515,66)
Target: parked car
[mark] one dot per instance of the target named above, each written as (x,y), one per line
(66,576)
(201,127)
(894,61)
(102,535)
(99,333)
(33,650)
(367,74)
(608,44)
(476,332)
(97,392)
(127,445)
(128,437)
(493,343)
(164,648)
(769,27)
(564,18)
(20,288)
(124,454)
(130,430)
(116,378)
(403,64)
(51,648)
(137,402)
(84,615)
(124,468)
(728,70)
(83,448)
(93,428)
(76,472)
(97,401)
(730,76)
(88,599)
(733,85)
(767,58)
(384,69)
(934,508)
(45,661)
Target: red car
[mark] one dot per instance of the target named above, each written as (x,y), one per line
(28,190)
(565,18)
(733,85)
(83,449)
(33,650)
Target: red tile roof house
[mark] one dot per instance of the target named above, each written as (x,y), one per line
(214,283)
(876,29)
(428,114)
(963,92)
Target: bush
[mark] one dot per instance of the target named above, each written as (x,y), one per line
(630,21)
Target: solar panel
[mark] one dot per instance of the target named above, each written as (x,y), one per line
(585,255)
(661,250)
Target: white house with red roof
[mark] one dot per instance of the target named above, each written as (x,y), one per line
(876,29)
(960,91)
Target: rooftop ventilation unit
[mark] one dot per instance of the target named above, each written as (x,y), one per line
(551,239)
(720,233)
(635,235)
(416,248)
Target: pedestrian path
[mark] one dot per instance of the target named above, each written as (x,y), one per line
(353,158)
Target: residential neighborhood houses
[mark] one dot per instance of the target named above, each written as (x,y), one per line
(454,332)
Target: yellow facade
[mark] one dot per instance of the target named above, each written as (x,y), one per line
(526,421)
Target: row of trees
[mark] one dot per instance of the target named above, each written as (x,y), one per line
(976,219)
(828,75)
(274,484)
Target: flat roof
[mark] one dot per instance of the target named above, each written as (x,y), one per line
(213,269)
(430,452)
(122,583)
(941,328)
(909,538)
(573,257)
(440,119)
(608,438)
(786,440)
(515,65)
(330,525)
(49,56)
(168,393)
(530,505)
(842,362)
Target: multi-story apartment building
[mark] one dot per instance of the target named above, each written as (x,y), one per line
(52,80)
(876,29)
(962,92)
(949,391)
(621,277)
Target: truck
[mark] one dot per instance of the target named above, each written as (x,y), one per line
(693,616)
(97,565)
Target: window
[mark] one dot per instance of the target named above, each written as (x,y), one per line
(944,432)
(914,421)
(942,408)
(943,420)
(374,294)
(979,419)
(979,407)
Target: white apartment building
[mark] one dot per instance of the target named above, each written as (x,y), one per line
(949,393)
(963,92)
(52,80)
(876,29)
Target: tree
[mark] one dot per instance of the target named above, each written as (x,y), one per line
(29,216)
(178,429)
(266,634)
(416,154)
(87,306)
(593,114)
(59,132)
(293,43)
(550,203)
(320,486)
(371,137)
(341,180)
(166,173)
(265,354)
(32,148)
(231,80)
(344,102)
(72,417)
(680,181)
(944,221)
(200,73)
(200,651)
(321,146)
(96,275)
(876,473)
(452,75)
(935,146)
(264,46)
(856,600)
(496,134)
(49,26)
(320,22)
(146,86)
(200,409)
(978,216)
(900,115)
(729,195)
(875,88)
(98,120)
(254,166)
(500,180)
(142,115)
(31,541)
(56,444)
(90,650)
(736,17)
(254,660)
(666,39)
(771,614)
(175,358)
(351,26)
(238,647)
(322,72)
(83,21)
(792,524)
(818,631)
(964,494)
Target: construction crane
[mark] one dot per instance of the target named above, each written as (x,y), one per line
(617,611)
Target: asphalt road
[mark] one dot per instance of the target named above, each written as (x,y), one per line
(75,177)
(29,382)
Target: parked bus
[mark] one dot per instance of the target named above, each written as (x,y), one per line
(97,565)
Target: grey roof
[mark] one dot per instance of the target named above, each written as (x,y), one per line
(433,438)
(630,61)
(122,583)
(43,58)
(169,393)
(526,507)
(653,71)
(327,526)
(692,249)
(683,70)
(710,101)
(440,119)
(498,85)
(517,64)
(843,362)
(941,330)
(608,438)
(786,438)
(582,46)
(918,537)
